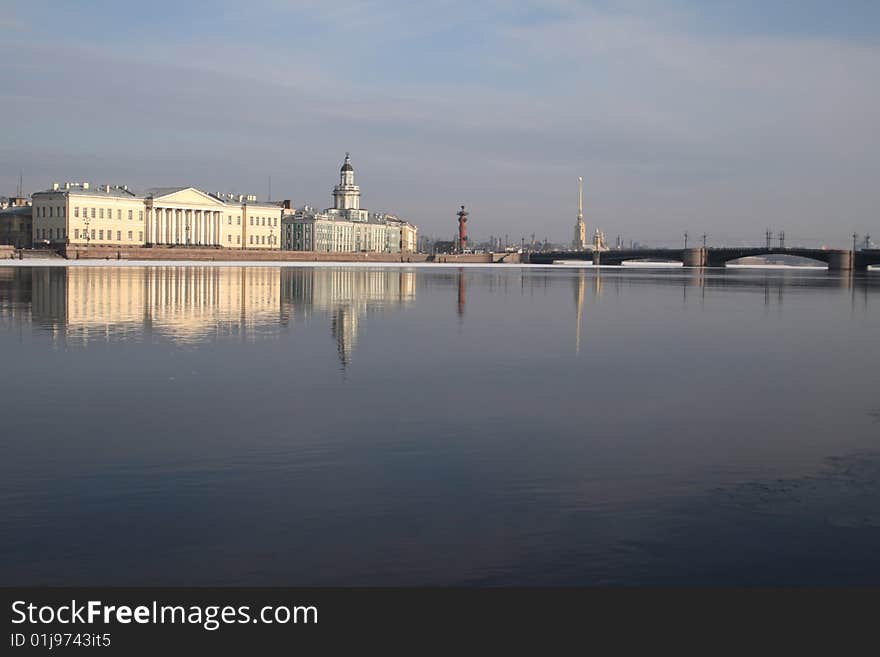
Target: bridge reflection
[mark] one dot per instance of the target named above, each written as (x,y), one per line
(697,285)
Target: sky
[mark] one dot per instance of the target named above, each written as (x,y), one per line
(720,117)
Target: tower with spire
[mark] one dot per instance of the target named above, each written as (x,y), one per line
(579,243)
(346,195)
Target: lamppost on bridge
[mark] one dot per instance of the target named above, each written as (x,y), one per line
(704,240)
(781,239)
(855,239)
(768,235)
(867,241)
(685,240)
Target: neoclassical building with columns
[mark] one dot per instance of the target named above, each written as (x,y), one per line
(113,215)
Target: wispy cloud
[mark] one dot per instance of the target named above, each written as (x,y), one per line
(674,124)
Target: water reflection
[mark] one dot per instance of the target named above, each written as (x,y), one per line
(345,295)
(197,431)
(190,305)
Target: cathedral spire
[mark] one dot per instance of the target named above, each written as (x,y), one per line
(579,243)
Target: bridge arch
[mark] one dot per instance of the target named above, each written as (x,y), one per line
(722,257)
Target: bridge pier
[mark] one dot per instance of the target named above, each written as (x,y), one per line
(841,261)
(693,257)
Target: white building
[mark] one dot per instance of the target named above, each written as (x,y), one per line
(346,227)
(78,214)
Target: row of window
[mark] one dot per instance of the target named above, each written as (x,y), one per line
(99,235)
(50,233)
(53,211)
(98,213)
(261,221)
(255,239)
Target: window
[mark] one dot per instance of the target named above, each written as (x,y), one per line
(76,212)
(250,239)
(238,239)
(229,237)
(140,236)
(101,234)
(129,215)
(93,213)
(118,235)
(264,239)
(93,233)
(252,221)
(76,233)
(61,212)
(119,214)
(238,221)
(129,236)
(101,214)
(140,215)
(229,221)
(264,221)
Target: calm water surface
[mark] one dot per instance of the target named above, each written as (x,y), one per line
(345,425)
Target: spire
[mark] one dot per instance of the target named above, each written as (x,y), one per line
(580,198)
(579,243)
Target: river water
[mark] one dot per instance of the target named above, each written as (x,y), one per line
(352,425)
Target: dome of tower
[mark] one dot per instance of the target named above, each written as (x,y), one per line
(346,166)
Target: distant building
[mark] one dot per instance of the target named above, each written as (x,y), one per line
(113,215)
(15,221)
(346,227)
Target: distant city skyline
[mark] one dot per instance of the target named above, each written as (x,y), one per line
(680,116)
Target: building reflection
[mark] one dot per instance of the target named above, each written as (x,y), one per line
(345,295)
(198,304)
(16,294)
(186,305)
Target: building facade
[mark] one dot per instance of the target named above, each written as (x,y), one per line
(112,215)
(16,217)
(346,227)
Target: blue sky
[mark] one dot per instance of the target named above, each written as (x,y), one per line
(720,117)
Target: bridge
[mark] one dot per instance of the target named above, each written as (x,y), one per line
(836,259)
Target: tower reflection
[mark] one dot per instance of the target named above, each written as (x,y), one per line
(345,295)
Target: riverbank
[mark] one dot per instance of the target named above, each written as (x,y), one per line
(205,255)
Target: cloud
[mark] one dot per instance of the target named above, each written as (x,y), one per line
(673,125)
